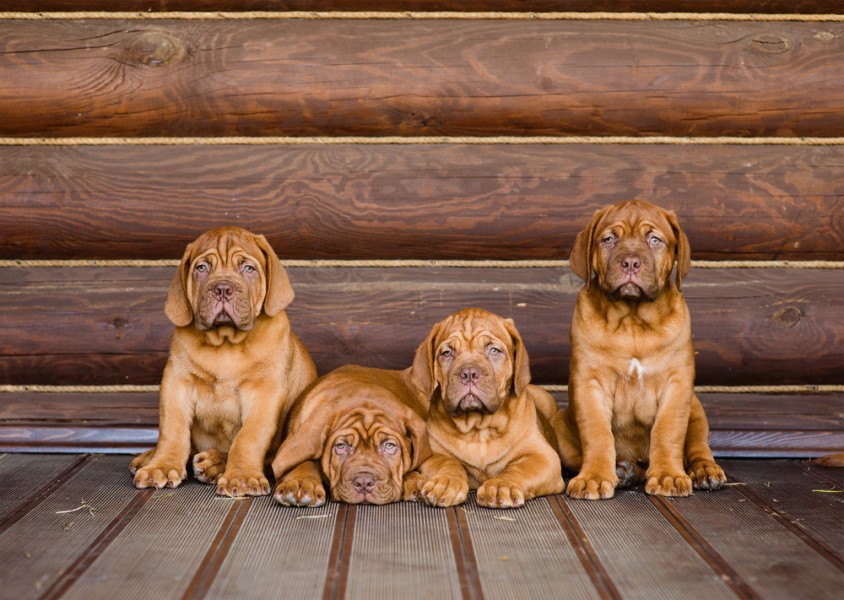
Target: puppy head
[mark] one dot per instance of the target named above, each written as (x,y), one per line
(631,248)
(365,440)
(227,277)
(475,360)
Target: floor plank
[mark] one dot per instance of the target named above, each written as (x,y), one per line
(48,540)
(525,553)
(800,498)
(157,555)
(402,547)
(278,552)
(21,472)
(643,554)
(770,558)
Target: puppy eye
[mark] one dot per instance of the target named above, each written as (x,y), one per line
(341,448)
(247,268)
(609,240)
(389,447)
(654,241)
(447,353)
(493,351)
(201,268)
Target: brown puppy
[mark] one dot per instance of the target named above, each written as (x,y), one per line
(631,401)
(234,369)
(363,431)
(484,412)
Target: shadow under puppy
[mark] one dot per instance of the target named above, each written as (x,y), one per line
(362,430)
(234,368)
(474,368)
(631,400)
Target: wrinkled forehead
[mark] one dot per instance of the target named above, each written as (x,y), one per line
(366,424)
(227,244)
(474,330)
(632,218)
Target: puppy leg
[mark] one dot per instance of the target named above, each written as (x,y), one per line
(244,473)
(700,464)
(444,481)
(301,487)
(535,474)
(209,465)
(167,466)
(592,419)
(665,474)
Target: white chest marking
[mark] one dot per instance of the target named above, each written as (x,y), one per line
(636,369)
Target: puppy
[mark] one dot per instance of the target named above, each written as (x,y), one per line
(631,402)
(474,368)
(363,432)
(234,368)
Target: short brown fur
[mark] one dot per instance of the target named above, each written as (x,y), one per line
(631,400)
(234,368)
(474,368)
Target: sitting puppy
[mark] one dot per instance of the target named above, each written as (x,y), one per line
(484,412)
(363,431)
(234,368)
(631,401)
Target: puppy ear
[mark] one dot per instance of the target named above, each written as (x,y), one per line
(521,363)
(305,441)
(684,253)
(279,291)
(177,307)
(580,260)
(422,374)
(417,433)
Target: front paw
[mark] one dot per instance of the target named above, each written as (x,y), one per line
(500,493)
(209,465)
(159,475)
(592,486)
(444,491)
(141,461)
(236,483)
(663,483)
(706,475)
(300,492)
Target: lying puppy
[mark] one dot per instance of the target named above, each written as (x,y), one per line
(363,431)
(484,412)
(631,401)
(234,369)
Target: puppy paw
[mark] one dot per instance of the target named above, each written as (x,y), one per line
(588,486)
(160,475)
(668,484)
(243,483)
(444,491)
(628,473)
(300,493)
(412,486)
(141,461)
(706,475)
(499,493)
(209,465)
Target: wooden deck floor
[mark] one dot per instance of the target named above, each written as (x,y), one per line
(73,526)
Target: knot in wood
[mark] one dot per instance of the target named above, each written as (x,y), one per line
(787,317)
(770,43)
(156,48)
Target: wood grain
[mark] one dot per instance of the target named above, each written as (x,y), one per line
(418,201)
(290,77)
(736,6)
(106,325)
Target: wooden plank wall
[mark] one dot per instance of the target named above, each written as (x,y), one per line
(405,165)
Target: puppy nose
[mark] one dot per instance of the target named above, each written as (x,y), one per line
(470,375)
(364,482)
(631,264)
(223,290)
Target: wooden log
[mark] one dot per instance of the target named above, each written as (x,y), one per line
(424,77)
(106,325)
(725,6)
(741,424)
(414,202)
